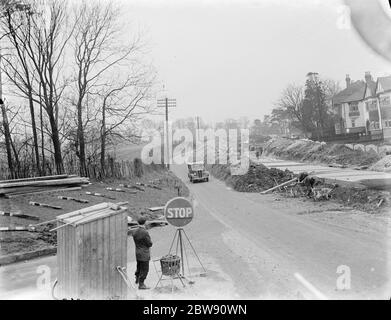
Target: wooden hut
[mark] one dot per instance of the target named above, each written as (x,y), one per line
(91,243)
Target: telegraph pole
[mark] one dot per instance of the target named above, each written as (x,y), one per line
(167,103)
(198,128)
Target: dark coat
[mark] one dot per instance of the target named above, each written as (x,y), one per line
(143,242)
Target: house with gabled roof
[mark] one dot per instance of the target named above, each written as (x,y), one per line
(364,107)
(372,110)
(383,95)
(349,107)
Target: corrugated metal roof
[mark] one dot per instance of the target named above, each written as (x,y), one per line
(355,92)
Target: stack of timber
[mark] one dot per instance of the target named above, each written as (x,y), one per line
(15,187)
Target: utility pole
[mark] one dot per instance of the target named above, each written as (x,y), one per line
(167,103)
(198,128)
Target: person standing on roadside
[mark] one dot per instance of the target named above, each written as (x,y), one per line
(143,243)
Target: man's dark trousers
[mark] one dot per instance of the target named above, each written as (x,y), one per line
(142,270)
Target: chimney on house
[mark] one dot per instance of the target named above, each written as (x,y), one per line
(312,76)
(368,76)
(347,79)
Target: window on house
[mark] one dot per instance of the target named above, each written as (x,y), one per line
(374,125)
(353,107)
(385,101)
(371,105)
(353,124)
(387,123)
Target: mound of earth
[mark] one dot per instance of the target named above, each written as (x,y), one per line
(383,164)
(321,152)
(258,177)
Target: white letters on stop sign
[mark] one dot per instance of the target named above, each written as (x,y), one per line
(179,213)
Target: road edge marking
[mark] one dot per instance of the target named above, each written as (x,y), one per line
(310,287)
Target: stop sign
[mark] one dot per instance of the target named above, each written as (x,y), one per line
(179,212)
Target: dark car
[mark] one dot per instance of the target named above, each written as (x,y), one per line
(197,172)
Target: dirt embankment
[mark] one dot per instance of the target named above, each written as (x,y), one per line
(166,186)
(260,178)
(384,164)
(320,152)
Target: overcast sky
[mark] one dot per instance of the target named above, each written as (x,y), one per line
(227,59)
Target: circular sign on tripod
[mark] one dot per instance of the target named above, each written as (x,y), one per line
(179,212)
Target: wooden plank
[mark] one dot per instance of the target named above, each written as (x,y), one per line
(100,238)
(72,199)
(67,265)
(17,228)
(60,261)
(156,208)
(105,256)
(85,262)
(57,182)
(94,276)
(44,205)
(117,255)
(124,250)
(71,280)
(112,261)
(280,185)
(115,189)
(76,256)
(41,191)
(96,194)
(83,211)
(80,265)
(63,262)
(75,275)
(55,177)
(18,215)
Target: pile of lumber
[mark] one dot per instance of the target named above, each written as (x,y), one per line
(63,182)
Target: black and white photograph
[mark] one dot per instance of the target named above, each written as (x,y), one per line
(192,156)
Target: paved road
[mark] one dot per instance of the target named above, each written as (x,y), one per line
(253,249)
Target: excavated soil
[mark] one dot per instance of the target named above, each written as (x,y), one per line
(320,152)
(260,178)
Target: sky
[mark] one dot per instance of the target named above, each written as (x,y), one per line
(230,59)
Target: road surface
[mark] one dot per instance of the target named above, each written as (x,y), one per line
(259,247)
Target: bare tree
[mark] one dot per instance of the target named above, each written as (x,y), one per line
(122,106)
(99,50)
(47,36)
(18,69)
(7,6)
(290,106)
(331,88)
